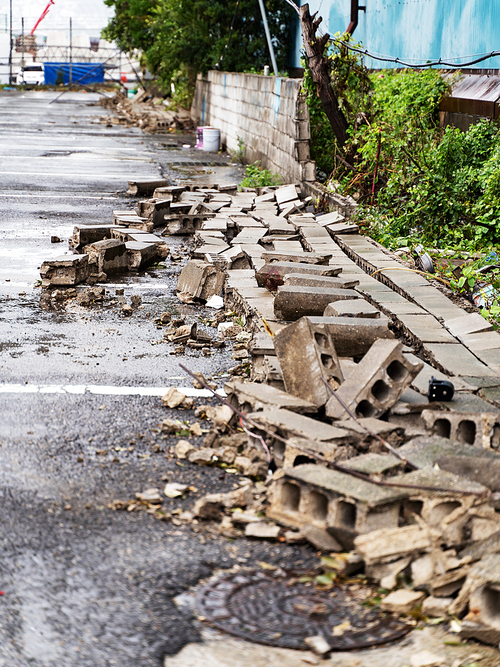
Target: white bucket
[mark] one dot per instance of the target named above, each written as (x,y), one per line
(211,139)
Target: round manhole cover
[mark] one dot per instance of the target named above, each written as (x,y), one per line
(275,609)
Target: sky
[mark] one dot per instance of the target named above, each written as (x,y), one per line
(89,16)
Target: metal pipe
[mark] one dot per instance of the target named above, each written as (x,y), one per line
(70,51)
(22,47)
(10,46)
(268,37)
(355,9)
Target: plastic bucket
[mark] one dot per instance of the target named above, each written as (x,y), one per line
(211,139)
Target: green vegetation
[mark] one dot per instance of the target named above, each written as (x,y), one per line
(180,38)
(257,177)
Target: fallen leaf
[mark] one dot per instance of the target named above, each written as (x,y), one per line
(266,566)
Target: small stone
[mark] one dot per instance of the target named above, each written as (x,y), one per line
(433,606)
(175,490)
(196,429)
(426,659)
(136,300)
(318,644)
(196,383)
(165,317)
(171,426)
(150,496)
(201,456)
(263,530)
(120,291)
(55,239)
(183,449)
(127,310)
(402,601)
(173,398)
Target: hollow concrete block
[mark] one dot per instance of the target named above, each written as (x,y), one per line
(328,499)
(200,279)
(272,274)
(110,255)
(478,429)
(377,382)
(353,336)
(307,354)
(294,302)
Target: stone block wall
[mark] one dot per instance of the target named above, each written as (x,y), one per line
(267,113)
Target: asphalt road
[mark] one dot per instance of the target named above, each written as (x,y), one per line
(84,585)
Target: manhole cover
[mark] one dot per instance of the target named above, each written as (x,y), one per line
(273,609)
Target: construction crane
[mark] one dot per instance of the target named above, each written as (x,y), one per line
(44,14)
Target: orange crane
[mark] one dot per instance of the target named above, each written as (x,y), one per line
(44,14)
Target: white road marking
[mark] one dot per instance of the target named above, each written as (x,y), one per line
(101,390)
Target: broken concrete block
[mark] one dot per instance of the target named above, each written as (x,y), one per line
(299,451)
(380,379)
(292,303)
(65,270)
(272,274)
(320,539)
(200,280)
(263,530)
(110,255)
(145,188)
(331,500)
(353,337)
(334,282)
(448,512)
(154,210)
(85,234)
(307,354)
(352,308)
(301,258)
(481,592)
(388,545)
(437,607)
(141,255)
(252,397)
(183,448)
(212,505)
(445,585)
(480,430)
(483,470)
(402,601)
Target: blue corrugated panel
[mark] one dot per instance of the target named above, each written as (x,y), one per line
(417,30)
(84,73)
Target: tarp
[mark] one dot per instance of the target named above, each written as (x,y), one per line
(84,73)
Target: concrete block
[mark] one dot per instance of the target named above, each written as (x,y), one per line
(292,303)
(65,270)
(485,471)
(480,430)
(154,210)
(353,337)
(141,255)
(301,258)
(388,546)
(85,234)
(402,601)
(481,592)
(307,354)
(354,308)
(252,397)
(272,274)
(299,451)
(110,255)
(200,279)
(382,376)
(343,505)
(286,424)
(438,607)
(303,280)
(131,234)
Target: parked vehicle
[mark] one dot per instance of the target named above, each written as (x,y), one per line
(31,75)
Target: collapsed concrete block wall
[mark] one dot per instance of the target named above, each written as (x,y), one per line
(268,113)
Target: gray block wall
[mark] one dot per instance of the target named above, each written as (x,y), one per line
(267,113)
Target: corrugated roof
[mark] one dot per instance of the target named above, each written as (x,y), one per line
(474,95)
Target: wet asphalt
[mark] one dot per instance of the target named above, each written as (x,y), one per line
(84,585)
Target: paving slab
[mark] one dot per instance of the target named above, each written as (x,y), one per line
(468,324)
(425,328)
(457,359)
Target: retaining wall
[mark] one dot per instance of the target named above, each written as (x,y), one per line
(267,113)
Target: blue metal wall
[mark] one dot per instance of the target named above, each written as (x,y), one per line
(417,30)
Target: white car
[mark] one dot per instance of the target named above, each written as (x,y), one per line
(31,75)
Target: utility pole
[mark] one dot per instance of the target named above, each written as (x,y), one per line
(10,46)
(268,37)
(22,46)
(70,51)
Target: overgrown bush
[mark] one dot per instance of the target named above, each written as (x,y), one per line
(257,177)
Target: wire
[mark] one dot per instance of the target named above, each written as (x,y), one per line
(292,4)
(218,64)
(428,63)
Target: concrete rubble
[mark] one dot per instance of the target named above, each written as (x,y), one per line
(330,417)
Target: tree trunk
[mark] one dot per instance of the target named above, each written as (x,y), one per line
(320,71)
